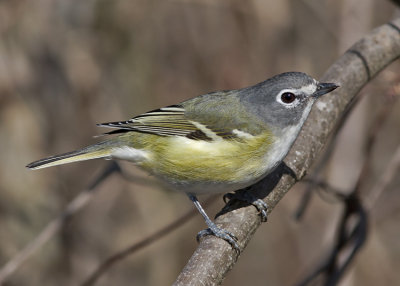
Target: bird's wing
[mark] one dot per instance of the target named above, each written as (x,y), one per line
(169,121)
(199,118)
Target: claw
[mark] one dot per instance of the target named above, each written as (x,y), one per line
(248,197)
(220,233)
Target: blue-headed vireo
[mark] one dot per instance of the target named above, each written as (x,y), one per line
(213,143)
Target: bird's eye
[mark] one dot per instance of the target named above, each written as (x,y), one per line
(288,97)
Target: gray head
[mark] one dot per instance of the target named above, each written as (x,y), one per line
(285,99)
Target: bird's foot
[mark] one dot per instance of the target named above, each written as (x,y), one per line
(213,229)
(249,198)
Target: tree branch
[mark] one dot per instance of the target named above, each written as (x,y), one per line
(104,266)
(214,257)
(55,225)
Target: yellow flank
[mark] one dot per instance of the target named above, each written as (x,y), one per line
(183,159)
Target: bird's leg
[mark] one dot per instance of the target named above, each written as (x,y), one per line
(213,229)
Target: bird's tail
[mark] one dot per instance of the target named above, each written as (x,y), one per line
(100,150)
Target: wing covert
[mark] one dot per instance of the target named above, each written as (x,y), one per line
(166,121)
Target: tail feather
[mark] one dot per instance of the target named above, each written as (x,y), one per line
(88,153)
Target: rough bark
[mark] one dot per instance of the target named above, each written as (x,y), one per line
(214,257)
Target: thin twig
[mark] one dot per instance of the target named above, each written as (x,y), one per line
(350,237)
(340,194)
(55,225)
(146,241)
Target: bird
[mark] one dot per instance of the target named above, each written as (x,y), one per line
(213,143)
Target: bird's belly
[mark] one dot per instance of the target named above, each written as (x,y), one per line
(210,167)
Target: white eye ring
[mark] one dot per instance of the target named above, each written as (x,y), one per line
(292,104)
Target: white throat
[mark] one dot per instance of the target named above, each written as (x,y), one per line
(284,142)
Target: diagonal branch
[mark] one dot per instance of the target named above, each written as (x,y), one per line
(214,257)
(55,225)
(113,259)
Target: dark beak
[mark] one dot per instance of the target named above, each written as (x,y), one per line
(324,88)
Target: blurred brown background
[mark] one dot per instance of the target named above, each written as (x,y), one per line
(67,65)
